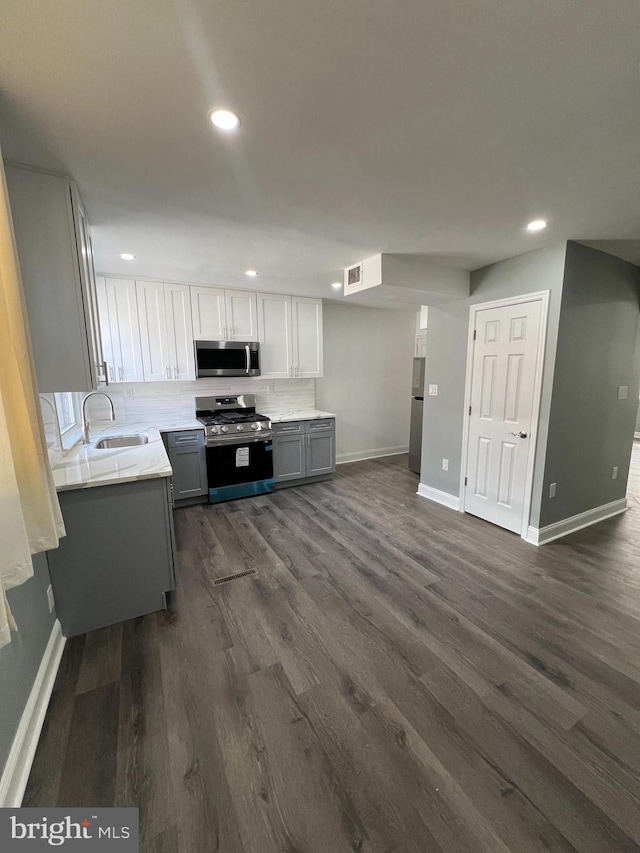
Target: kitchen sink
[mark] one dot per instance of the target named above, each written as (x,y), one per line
(121,441)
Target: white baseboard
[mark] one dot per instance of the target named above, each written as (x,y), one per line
(16,771)
(576,522)
(636,435)
(361,455)
(439,497)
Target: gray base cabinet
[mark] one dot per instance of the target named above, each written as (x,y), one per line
(188,456)
(304,449)
(117,560)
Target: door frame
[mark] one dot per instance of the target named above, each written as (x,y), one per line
(541,296)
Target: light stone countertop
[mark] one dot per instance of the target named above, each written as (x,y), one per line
(297,415)
(84,466)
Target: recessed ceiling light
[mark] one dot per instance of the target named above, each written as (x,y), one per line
(336,285)
(224,119)
(537,225)
(127,256)
(251,273)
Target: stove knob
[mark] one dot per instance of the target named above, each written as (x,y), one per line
(215,430)
(254,426)
(224,429)
(239,427)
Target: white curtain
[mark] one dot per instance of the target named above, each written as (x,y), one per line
(30,518)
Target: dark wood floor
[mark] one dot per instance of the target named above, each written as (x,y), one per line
(396,678)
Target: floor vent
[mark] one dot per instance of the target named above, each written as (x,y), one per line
(235,577)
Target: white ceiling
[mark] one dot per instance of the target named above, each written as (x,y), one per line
(436,127)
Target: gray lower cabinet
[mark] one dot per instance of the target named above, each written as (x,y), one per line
(304,449)
(117,560)
(188,456)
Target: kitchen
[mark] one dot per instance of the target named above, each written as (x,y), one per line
(244,596)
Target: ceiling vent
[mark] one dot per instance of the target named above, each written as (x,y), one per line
(406,278)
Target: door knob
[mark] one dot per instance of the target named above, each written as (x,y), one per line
(519,434)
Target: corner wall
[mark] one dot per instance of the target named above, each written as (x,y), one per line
(20,659)
(542,269)
(590,430)
(368,356)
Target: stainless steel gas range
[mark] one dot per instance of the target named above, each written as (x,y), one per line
(239,447)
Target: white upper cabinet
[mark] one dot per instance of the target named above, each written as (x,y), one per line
(166,331)
(290,335)
(274,334)
(307,337)
(209,314)
(241,315)
(224,315)
(120,327)
(179,330)
(56,264)
(156,361)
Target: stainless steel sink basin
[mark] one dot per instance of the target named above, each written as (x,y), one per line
(121,441)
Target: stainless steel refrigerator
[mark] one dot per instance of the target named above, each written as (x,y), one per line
(417,403)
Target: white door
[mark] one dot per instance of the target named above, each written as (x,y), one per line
(274,334)
(179,331)
(156,361)
(505,353)
(307,337)
(125,330)
(208,313)
(241,313)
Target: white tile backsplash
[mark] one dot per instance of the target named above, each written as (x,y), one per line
(160,401)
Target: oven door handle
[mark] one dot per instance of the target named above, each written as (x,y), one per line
(248,355)
(225,442)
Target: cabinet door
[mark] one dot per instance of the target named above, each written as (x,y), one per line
(208,313)
(84,249)
(106,329)
(274,334)
(153,331)
(180,331)
(288,458)
(320,453)
(124,325)
(189,471)
(307,337)
(241,312)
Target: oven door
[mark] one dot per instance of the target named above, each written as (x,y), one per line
(239,469)
(227,358)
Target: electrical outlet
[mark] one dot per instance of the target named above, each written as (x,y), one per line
(433,390)
(128,394)
(614,472)
(50,599)
(623,392)
(445,464)
(552,490)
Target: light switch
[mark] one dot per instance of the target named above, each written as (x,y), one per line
(445,464)
(623,392)
(552,490)
(433,390)
(614,472)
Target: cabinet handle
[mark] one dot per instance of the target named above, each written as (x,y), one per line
(175,372)
(121,372)
(105,372)
(168,371)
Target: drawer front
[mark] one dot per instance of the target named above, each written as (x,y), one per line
(186,438)
(289,428)
(321,425)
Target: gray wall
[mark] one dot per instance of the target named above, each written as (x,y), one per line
(367,377)
(542,269)
(590,430)
(19,661)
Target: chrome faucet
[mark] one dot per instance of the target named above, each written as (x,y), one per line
(86,424)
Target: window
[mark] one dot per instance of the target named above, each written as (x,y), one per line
(68,408)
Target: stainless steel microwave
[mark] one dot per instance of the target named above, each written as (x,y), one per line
(227,358)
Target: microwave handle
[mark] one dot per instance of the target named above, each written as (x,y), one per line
(248,355)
